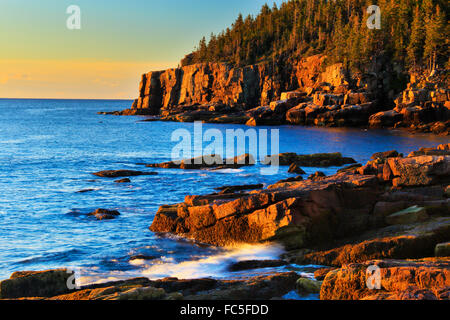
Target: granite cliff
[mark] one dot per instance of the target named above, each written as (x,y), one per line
(300,92)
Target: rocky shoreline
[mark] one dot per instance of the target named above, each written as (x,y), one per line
(309,93)
(392,213)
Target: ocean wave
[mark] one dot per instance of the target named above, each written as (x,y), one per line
(215,266)
(61,256)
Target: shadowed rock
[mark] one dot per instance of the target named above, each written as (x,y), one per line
(122,173)
(256,264)
(104,214)
(35,284)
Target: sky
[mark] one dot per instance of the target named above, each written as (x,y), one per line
(118,41)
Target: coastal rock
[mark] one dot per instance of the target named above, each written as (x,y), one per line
(293,213)
(399,280)
(122,173)
(256,288)
(126,180)
(104,214)
(294,168)
(253,288)
(408,241)
(419,171)
(234,189)
(385,155)
(308,286)
(321,273)
(35,284)
(385,119)
(442,250)
(317,176)
(207,161)
(407,216)
(256,264)
(313,160)
(141,257)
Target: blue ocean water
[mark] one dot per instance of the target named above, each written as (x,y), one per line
(49,150)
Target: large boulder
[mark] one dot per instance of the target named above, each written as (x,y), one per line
(294,213)
(427,279)
(35,284)
(399,242)
(419,171)
(385,119)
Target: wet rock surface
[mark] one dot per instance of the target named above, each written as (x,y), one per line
(207,161)
(104,214)
(122,173)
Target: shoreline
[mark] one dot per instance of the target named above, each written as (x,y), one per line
(384,214)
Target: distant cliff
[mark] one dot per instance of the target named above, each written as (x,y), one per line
(219,83)
(301,92)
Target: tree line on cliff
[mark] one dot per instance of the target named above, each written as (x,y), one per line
(414,34)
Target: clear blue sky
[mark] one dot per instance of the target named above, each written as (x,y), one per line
(131,36)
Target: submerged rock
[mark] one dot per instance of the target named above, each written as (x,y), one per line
(122,173)
(104,214)
(312,160)
(256,264)
(85,190)
(141,257)
(207,161)
(126,180)
(294,168)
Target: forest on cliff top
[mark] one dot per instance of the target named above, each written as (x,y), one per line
(413,33)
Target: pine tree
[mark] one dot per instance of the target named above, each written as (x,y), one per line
(416,43)
(434,38)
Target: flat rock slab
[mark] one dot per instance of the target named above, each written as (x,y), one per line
(256,264)
(122,173)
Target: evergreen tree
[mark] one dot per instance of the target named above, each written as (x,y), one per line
(412,31)
(416,43)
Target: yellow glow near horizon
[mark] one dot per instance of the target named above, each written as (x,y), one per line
(77,79)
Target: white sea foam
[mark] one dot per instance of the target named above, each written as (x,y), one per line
(229,170)
(213,266)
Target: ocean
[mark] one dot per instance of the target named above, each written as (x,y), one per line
(50,148)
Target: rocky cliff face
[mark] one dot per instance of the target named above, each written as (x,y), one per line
(303,92)
(204,84)
(219,83)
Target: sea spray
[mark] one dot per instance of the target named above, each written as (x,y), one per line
(215,266)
